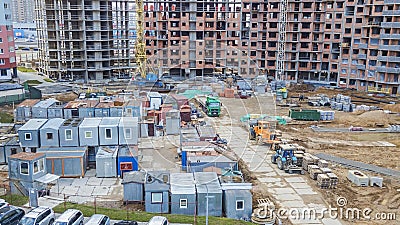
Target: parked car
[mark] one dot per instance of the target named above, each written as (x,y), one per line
(38,216)
(98,219)
(11,216)
(126,222)
(70,217)
(158,220)
(4,204)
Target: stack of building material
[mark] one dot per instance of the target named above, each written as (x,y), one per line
(322,163)
(309,159)
(327,115)
(326,170)
(333,180)
(310,167)
(314,171)
(229,93)
(342,102)
(358,178)
(323,181)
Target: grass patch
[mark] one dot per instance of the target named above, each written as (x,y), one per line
(120,214)
(24,69)
(33,82)
(17,200)
(6,117)
(48,80)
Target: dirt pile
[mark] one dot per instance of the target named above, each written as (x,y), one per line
(393,108)
(364,119)
(66,97)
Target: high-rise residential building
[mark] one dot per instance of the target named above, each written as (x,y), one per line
(349,43)
(23,11)
(8,64)
(85,40)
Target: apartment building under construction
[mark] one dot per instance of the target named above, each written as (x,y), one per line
(353,43)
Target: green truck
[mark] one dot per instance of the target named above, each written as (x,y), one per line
(210,105)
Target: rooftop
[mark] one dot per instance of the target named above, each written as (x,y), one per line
(91,122)
(54,123)
(207,182)
(72,122)
(109,121)
(28,103)
(182,183)
(33,124)
(9,86)
(26,156)
(134,177)
(45,103)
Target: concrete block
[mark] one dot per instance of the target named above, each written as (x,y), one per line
(376,181)
(358,178)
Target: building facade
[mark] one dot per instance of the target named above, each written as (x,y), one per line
(23,11)
(85,40)
(353,44)
(8,64)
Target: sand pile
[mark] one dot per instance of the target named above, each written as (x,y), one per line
(366,119)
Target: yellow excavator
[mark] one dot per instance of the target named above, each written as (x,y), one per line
(263,132)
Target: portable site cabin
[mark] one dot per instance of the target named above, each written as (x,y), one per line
(89,132)
(208,187)
(66,161)
(127,159)
(183,194)
(173,122)
(128,131)
(155,99)
(117,108)
(197,163)
(39,110)
(49,133)
(71,109)
(68,132)
(106,161)
(56,110)
(23,112)
(86,108)
(102,109)
(11,147)
(157,192)
(206,133)
(133,108)
(133,184)
(176,100)
(237,200)
(194,148)
(108,131)
(29,133)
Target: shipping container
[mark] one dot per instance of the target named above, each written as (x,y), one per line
(106,161)
(206,133)
(155,99)
(56,110)
(127,159)
(157,192)
(237,200)
(39,110)
(11,147)
(133,184)
(102,109)
(183,194)
(199,163)
(86,108)
(133,108)
(23,112)
(71,109)
(173,122)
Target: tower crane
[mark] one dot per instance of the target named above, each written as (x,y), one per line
(280,72)
(140,56)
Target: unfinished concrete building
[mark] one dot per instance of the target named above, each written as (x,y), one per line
(85,40)
(353,43)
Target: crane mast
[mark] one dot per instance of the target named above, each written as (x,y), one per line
(280,72)
(140,43)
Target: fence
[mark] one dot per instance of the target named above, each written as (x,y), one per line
(12,98)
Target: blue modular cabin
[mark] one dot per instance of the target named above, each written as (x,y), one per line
(89,132)
(157,192)
(55,110)
(86,108)
(71,109)
(69,132)
(117,108)
(39,110)
(24,169)
(23,112)
(106,161)
(128,131)
(191,148)
(29,133)
(133,108)
(155,99)
(127,159)
(66,161)
(108,131)
(49,133)
(102,109)
(208,186)
(183,193)
(237,200)
(199,163)
(11,147)
(133,184)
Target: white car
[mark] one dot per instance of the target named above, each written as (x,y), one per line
(4,204)
(38,216)
(158,220)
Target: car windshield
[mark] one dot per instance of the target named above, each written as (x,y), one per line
(4,209)
(27,221)
(60,223)
(214,104)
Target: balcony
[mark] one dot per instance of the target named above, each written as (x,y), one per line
(390,24)
(389,58)
(361,67)
(362,56)
(363,46)
(383,69)
(391,13)
(389,47)
(390,36)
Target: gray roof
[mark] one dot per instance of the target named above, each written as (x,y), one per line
(236,186)
(72,122)
(90,122)
(45,103)
(134,177)
(109,122)
(182,183)
(210,158)
(207,182)
(54,123)
(33,124)
(8,86)
(56,153)
(107,152)
(154,95)
(125,150)
(12,142)
(61,149)
(128,121)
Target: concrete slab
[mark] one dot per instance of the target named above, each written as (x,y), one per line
(329,221)
(287,197)
(86,190)
(94,181)
(100,191)
(80,181)
(295,179)
(56,190)
(48,202)
(302,191)
(268,179)
(293,204)
(300,186)
(147,158)
(282,191)
(262,169)
(70,190)
(304,221)
(277,184)
(109,181)
(65,181)
(80,199)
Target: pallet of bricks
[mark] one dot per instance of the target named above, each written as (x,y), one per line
(309,159)
(323,181)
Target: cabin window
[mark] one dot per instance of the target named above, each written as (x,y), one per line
(49,136)
(28,136)
(183,203)
(68,135)
(108,133)
(88,134)
(239,205)
(13,151)
(24,168)
(128,134)
(41,164)
(36,167)
(156,197)
(129,111)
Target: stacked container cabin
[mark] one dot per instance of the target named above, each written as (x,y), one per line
(128,130)
(133,184)
(69,133)
(86,108)
(102,109)
(89,132)
(173,122)
(127,159)
(39,110)
(23,112)
(117,107)
(56,110)
(108,131)
(183,194)
(29,134)
(49,133)
(133,108)
(11,147)
(106,161)
(71,109)
(208,187)
(237,200)
(157,192)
